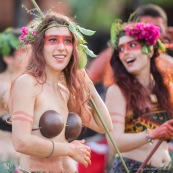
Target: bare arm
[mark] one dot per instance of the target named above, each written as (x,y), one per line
(116,105)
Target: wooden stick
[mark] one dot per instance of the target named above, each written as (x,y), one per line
(109,134)
(149,156)
(38,8)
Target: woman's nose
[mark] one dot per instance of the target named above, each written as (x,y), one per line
(60,46)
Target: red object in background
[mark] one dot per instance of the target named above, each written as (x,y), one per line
(98,158)
(97,165)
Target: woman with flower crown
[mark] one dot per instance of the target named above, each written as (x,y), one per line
(140,100)
(42,100)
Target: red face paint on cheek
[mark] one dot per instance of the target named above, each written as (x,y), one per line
(129,46)
(61,39)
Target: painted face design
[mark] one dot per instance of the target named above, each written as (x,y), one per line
(58,39)
(58,47)
(129,46)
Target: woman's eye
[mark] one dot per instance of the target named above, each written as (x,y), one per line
(68,41)
(132,44)
(121,49)
(52,40)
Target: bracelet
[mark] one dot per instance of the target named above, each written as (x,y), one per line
(148,137)
(52,150)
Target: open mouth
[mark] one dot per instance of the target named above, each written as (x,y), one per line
(130,60)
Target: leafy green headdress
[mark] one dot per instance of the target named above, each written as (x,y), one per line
(116,28)
(8,42)
(28,34)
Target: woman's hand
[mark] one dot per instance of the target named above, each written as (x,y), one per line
(80,152)
(165,131)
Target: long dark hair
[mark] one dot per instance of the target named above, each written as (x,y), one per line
(136,95)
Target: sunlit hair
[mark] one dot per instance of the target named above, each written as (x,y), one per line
(136,95)
(74,77)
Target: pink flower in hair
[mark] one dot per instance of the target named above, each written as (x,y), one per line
(24,33)
(24,30)
(34,32)
(27,36)
(148,33)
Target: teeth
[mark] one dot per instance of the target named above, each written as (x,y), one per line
(60,57)
(129,59)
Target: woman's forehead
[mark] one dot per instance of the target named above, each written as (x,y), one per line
(58,30)
(125,39)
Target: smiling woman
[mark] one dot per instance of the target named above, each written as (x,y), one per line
(42,98)
(58,44)
(140,101)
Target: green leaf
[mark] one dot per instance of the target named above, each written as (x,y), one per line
(161,46)
(83,59)
(8,41)
(150,48)
(145,49)
(87,51)
(1,42)
(72,29)
(13,41)
(79,36)
(113,34)
(85,31)
(115,29)
(5,48)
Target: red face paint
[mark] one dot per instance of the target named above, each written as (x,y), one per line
(58,39)
(129,46)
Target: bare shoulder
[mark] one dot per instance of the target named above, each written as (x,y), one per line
(24,83)
(115,100)
(25,79)
(114,95)
(114,90)
(23,93)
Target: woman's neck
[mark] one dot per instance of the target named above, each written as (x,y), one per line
(147,81)
(53,79)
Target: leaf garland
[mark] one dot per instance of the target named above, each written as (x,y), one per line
(115,29)
(83,49)
(75,29)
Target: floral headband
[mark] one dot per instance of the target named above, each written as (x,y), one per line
(147,33)
(8,41)
(28,35)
